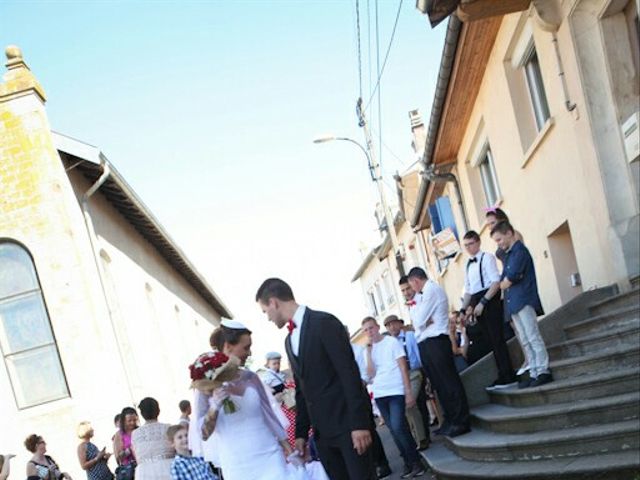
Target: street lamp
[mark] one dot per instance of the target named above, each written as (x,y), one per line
(376,176)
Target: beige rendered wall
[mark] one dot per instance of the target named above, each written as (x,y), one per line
(557,181)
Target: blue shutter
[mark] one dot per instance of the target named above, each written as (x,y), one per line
(436,226)
(447,220)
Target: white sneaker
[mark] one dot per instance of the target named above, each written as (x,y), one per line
(523,368)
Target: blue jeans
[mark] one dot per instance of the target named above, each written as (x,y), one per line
(392,409)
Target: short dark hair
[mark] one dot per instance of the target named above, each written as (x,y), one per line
(403,279)
(149,408)
(274,287)
(31,442)
(502,227)
(417,272)
(392,318)
(368,319)
(472,235)
(498,213)
(222,335)
(184,405)
(116,419)
(123,415)
(173,429)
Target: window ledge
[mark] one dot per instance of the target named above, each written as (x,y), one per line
(542,134)
(47,408)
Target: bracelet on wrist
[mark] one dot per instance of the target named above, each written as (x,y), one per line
(484,301)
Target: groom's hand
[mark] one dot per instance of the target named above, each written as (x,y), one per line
(361,440)
(301,446)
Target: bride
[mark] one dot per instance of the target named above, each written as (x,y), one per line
(251,442)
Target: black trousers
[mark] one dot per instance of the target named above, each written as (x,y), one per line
(341,461)
(422,406)
(437,357)
(377,450)
(491,323)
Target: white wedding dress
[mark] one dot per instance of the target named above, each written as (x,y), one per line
(247,440)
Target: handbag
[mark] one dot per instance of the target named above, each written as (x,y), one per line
(126,472)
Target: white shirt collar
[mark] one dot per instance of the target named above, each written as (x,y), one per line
(298,317)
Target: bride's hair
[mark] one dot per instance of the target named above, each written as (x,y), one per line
(222,335)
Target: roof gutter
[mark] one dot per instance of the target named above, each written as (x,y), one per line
(444,76)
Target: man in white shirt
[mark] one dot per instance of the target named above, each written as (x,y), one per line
(389,376)
(482,293)
(430,318)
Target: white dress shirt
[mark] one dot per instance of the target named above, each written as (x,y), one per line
(473,282)
(431,304)
(298,318)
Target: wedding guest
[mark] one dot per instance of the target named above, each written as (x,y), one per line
(380,459)
(389,376)
(125,456)
(459,341)
(5,465)
(184,466)
(482,294)
(92,460)
(522,303)
(417,416)
(430,319)
(329,393)
(185,412)
(42,465)
(271,374)
(150,445)
(494,216)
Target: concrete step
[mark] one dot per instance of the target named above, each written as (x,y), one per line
(596,362)
(598,411)
(621,300)
(610,466)
(622,380)
(621,317)
(486,446)
(596,342)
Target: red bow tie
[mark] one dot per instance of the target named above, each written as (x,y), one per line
(291,326)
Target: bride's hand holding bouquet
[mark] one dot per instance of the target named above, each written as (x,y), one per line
(209,374)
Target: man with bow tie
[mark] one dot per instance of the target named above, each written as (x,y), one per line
(482,293)
(330,396)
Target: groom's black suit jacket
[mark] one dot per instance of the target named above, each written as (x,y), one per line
(329,393)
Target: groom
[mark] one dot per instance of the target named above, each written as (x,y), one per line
(329,394)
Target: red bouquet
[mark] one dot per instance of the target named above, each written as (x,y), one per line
(211,370)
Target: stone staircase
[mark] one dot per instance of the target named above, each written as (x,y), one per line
(584,425)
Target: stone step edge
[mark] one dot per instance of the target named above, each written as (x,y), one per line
(613,313)
(613,298)
(594,336)
(510,413)
(590,357)
(498,440)
(570,383)
(445,462)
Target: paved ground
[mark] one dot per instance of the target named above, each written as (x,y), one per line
(395,461)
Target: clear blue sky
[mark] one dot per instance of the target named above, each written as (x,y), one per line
(208,109)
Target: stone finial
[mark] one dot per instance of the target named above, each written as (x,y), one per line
(14,58)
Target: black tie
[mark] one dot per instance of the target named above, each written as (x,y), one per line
(472,260)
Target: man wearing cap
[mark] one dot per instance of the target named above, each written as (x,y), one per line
(418,415)
(271,375)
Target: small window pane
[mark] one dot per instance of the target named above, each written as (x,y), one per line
(16,272)
(23,323)
(37,376)
(536,89)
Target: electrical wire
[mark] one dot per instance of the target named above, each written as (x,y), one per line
(386,56)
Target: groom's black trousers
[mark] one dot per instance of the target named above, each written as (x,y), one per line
(341,461)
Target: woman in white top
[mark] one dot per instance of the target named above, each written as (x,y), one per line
(153,451)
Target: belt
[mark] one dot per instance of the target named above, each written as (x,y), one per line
(155,458)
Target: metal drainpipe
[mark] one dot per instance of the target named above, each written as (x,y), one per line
(569,105)
(93,240)
(450,177)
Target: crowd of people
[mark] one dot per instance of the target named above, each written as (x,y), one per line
(317,422)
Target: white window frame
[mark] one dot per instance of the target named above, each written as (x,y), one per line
(533,77)
(486,164)
(32,294)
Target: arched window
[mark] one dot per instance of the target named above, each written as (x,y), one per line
(26,340)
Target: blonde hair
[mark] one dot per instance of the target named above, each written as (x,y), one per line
(172,430)
(83,429)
